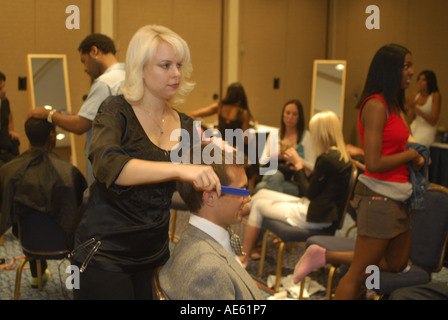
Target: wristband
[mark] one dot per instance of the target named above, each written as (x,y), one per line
(50,115)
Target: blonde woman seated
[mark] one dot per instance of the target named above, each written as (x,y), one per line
(323,199)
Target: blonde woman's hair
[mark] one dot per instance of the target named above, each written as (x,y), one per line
(326,132)
(143,48)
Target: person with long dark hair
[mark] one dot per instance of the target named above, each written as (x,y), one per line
(233,110)
(383,218)
(424,108)
(292,135)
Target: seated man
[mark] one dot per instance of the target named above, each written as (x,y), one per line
(202,265)
(39,180)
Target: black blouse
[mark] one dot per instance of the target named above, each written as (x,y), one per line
(5,141)
(131,222)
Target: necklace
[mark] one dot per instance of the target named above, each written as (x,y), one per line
(152,118)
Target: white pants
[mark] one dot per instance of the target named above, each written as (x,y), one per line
(281,206)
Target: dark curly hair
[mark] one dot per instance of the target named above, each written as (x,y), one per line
(101,41)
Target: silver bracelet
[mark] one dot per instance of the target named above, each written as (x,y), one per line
(50,115)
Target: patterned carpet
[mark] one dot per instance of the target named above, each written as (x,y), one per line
(55,288)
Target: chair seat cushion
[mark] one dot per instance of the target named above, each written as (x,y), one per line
(390,281)
(332,243)
(289,233)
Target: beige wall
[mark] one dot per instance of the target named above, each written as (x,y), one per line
(280,39)
(418,25)
(38,26)
(197,21)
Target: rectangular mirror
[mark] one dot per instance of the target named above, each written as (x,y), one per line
(328,90)
(48,83)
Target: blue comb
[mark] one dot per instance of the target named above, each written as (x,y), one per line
(235,191)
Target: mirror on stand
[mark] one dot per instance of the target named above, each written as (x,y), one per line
(49,87)
(328,91)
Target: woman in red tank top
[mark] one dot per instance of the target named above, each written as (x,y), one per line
(383,237)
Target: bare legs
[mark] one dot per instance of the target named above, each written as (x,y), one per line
(314,257)
(250,238)
(388,255)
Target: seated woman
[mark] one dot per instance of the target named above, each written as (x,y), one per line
(323,198)
(292,134)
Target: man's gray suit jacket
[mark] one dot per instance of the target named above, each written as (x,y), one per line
(201,269)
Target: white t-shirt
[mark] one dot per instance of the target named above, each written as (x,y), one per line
(108,84)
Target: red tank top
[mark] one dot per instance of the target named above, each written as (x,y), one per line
(395,138)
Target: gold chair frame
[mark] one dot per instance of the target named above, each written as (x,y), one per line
(281,248)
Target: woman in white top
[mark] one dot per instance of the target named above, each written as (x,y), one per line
(424,109)
(292,135)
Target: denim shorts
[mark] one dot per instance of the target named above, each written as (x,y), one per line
(378,216)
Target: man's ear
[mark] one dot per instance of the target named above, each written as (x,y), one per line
(209,197)
(94,51)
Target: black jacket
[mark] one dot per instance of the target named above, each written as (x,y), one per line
(326,188)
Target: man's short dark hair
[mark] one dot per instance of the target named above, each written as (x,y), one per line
(2,76)
(38,131)
(193,197)
(101,41)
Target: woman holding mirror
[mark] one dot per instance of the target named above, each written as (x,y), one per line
(129,207)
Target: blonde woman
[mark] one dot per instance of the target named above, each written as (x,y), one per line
(133,137)
(323,199)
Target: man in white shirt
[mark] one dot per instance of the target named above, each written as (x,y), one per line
(97,52)
(203,265)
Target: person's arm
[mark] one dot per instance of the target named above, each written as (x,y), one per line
(12,133)
(373,118)
(69,122)
(302,173)
(433,117)
(112,165)
(136,172)
(72,123)
(297,162)
(245,120)
(205,112)
(410,109)
(10,122)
